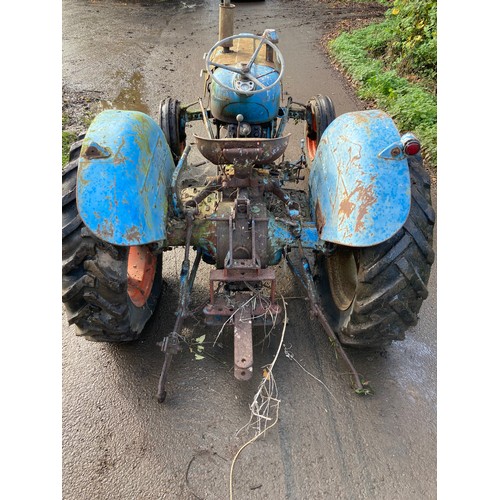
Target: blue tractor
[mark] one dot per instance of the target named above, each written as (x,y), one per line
(359,238)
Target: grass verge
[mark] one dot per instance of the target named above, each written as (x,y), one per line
(68,138)
(412,105)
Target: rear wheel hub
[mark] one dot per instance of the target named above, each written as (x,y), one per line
(343,277)
(141,269)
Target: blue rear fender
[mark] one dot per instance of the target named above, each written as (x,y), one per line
(124,172)
(358,196)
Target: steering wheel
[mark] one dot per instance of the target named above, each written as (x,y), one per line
(244,70)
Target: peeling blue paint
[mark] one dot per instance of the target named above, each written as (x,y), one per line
(357,197)
(123,174)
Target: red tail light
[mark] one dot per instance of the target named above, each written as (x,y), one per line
(411,145)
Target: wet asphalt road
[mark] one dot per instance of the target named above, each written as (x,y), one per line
(118,442)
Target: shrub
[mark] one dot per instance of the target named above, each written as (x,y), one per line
(413,46)
(382,58)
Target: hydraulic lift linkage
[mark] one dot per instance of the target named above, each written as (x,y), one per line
(240,274)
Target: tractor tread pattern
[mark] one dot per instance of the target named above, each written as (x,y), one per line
(94,275)
(393,276)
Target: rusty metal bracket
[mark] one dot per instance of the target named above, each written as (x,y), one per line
(243,312)
(222,311)
(247,275)
(243,346)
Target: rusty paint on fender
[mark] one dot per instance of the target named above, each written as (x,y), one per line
(320,219)
(359,198)
(123,175)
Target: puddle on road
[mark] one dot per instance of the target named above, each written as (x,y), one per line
(130,97)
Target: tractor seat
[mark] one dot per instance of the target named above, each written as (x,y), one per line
(242,151)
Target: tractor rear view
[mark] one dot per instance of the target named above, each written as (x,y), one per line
(358,238)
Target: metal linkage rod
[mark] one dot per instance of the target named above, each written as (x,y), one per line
(284,118)
(213,185)
(175,186)
(170,344)
(318,312)
(205,120)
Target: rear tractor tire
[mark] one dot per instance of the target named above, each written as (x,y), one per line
(109,292)
(373,294)
(320,113)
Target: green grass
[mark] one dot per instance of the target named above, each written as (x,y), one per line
(413,106)
(69,135)
(68,138)
(382,2)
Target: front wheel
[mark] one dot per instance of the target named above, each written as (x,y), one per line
(320,113)
(173,127)
(109,292)
(373,294)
